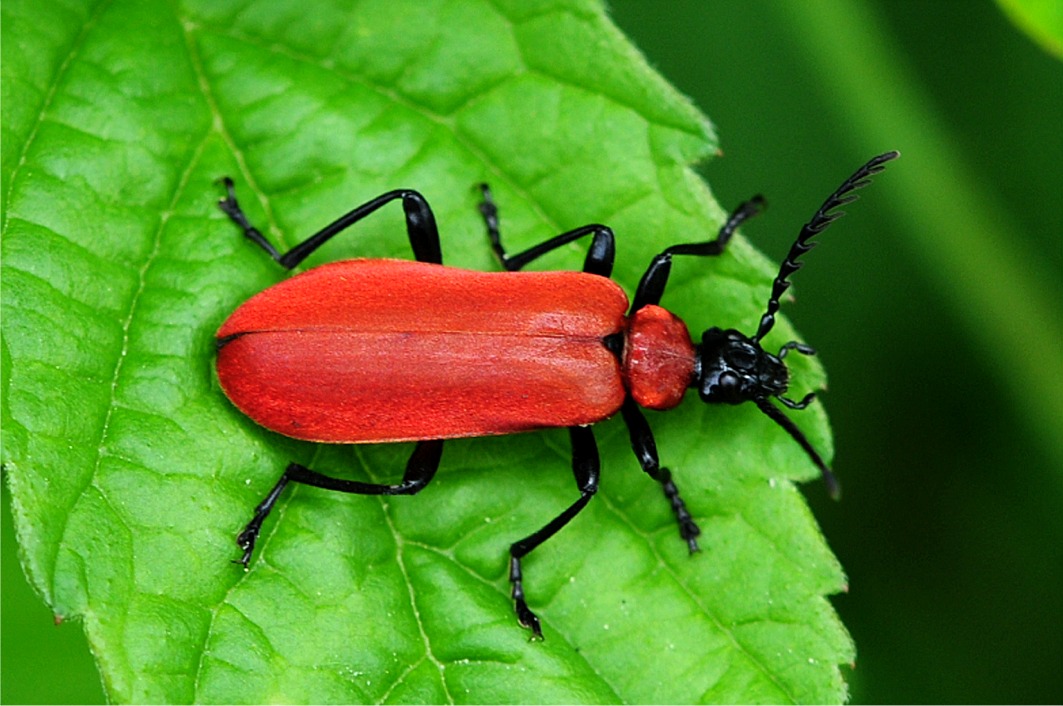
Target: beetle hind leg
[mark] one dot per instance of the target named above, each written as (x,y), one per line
(249,535)
(420,470)
(420,226)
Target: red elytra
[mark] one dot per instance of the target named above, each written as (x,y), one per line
(365,351)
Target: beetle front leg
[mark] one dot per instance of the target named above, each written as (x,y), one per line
(646,452)
(420,226)
(651,286)
(420,469)
(600,255)
(586,466)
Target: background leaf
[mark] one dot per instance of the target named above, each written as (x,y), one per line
(1042,20)
(129,473)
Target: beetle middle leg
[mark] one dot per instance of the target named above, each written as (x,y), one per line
(600,255)
(422,466)
(420,226)
(586,466)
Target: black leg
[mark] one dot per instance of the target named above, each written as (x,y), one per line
(599,260)
(651,287)
(646,452)
(586,467)
(420,469)
(420,226)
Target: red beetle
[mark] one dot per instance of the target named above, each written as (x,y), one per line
(371,351)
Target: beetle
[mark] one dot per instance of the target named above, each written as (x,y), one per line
(381,351)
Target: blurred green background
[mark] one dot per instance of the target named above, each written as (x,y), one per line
(937,310)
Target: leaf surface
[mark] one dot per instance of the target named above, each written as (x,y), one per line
(130,473)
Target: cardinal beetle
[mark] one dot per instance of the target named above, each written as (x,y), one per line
(368,351)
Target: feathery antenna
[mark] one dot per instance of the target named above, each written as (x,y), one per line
(823,218)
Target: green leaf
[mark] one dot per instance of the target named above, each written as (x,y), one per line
(130,473)
(1041,20)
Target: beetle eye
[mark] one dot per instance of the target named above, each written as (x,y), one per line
(742,357)
(728,381)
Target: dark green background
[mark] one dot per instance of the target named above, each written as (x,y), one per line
(951,528)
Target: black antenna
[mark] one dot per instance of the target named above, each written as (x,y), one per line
(833,487)
(819,223)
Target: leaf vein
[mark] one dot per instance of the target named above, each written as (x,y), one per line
(697,600)
(49,96)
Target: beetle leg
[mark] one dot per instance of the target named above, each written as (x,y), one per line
(646,452)
(420,469)
(600,255)
(586,466)
(420,226)
(651,287)
(247,537)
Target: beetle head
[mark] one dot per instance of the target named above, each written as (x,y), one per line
(733,368)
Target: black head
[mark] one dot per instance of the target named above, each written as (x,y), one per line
(734,368)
